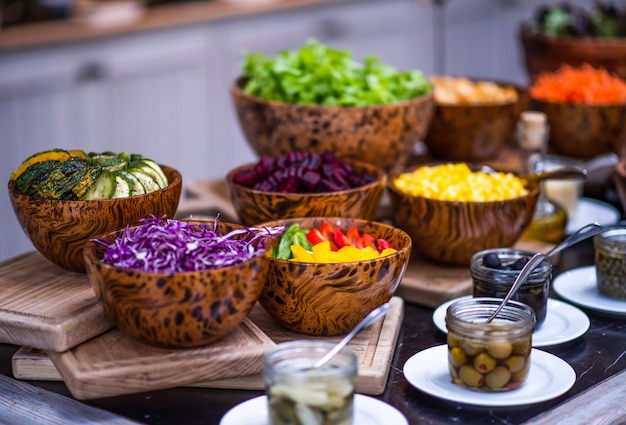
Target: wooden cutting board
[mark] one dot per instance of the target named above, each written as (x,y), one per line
(45,306)
(424,283)
(114,364)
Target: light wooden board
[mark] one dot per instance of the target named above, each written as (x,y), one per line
(25,404)
(424,282)
(114,364)
(45,306)
(374,348)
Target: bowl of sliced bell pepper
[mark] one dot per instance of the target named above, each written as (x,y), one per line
(327,273)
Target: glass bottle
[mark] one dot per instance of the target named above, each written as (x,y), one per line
(550,219)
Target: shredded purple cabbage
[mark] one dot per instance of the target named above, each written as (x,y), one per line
(167,246)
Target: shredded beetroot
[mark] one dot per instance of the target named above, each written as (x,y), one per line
(167,246)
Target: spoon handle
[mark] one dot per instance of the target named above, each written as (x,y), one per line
(521,278)
(583,233)
(369,319)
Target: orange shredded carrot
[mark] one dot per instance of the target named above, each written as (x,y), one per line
(584,84)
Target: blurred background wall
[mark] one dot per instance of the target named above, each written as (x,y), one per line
(163,91)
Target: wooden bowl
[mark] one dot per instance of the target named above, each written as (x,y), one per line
(542,53)
(584,131)
(330,299)
(450,232)
(185,309)
(255,206)
(384,135)
(472,132)
(59,229)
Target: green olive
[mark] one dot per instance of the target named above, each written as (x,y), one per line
(498,378)
(471,348)
(522,374)
(522,347)
(500,350)
(457,357)
(484,363)
(470,376)
(515,363)
(453,341)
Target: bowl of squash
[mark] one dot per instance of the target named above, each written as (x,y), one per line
(62,198)
(319,99)
(327,273)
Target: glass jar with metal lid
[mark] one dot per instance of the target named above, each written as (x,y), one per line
(493,272)
(610,261)
(491,356)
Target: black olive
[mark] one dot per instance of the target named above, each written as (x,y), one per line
(520,263)
(492,260)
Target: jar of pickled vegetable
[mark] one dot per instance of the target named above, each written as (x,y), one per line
(610,261)
(493,272)
(296,392)
(491,356)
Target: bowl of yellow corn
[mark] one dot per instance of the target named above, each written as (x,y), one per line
(453,210)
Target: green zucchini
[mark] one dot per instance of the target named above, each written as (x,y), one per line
(103,188)
(148,180)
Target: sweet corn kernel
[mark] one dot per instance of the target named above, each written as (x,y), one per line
(457,182)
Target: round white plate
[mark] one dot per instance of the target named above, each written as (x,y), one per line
(549,377)
(563,323)
(367,411)
(591,210)
(579,287)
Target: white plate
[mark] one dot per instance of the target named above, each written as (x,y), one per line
(367,411)
(563,323)
(592,211)
(579,287)
(549,377)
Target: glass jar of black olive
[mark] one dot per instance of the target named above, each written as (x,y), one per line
(494,270)
(610,260)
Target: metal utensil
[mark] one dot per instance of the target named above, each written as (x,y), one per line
(581,234)
(569,172)
(367,321)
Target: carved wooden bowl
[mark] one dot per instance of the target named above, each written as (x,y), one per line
(384,135)
(59,229)
(449,232)
(330,299)
(185,309)
(255,206)
(473,132)
(584,131)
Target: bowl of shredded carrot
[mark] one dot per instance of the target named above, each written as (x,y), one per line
(586,110)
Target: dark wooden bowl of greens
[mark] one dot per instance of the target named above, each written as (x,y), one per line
(380,124)
(59,228)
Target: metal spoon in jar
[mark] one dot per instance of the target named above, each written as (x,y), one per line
(581,234)
(368,320)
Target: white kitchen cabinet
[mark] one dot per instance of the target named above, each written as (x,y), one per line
(147,93)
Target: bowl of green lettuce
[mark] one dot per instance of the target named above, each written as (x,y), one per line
(318,98)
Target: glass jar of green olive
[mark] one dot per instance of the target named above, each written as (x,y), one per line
(491,356)
(610,261)
(296,391)
(494,270)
